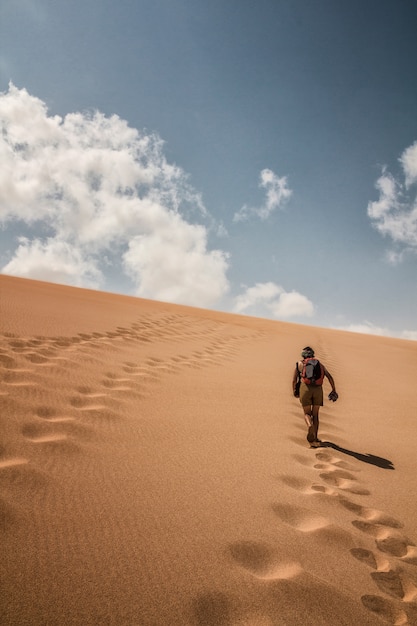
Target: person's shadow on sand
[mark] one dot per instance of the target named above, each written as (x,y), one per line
(365,458)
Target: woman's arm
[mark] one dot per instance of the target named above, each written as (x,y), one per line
(295,378)
(331,379)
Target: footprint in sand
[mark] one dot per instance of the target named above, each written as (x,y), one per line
(56,429)
(12,462)
(371,515)
(366,556)
(95,412)
(388,539)
(116,384)
(303,460)
(18,378)
(49,414)
(83,404)
(147,372)
(57,435)
(374,560)
(299,484)
(303,485)
(153,362)
(89,392)
(212,609)
(343,480)
(37,359)
(130,368)
(7,362)
(11,374)
(18,345)
(262,561)
(339,463)
(317,488)
(386,609)
(342,465)
(159,366)
(41,433)
(93,401)
(8,516)
(300,518)
(391,583)
(61,446)
(19,477)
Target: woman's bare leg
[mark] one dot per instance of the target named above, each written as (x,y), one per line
(309,420)
(307,415)
(315,414)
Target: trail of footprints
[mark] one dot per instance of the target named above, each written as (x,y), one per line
(392,561)
(65,351)
(26,365)
(393,558)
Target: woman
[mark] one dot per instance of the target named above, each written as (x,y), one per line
(310,391)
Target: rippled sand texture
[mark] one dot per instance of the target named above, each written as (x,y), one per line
(154,468)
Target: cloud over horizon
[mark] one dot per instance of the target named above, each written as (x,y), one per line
(266,299)
(368,328)
(394,214)
(96,188)
(85,198)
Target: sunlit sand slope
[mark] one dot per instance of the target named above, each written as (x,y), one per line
(154,468)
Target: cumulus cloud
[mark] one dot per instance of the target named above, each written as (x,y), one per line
(277,193)
(409,162)
(55,261)
(173,265)
(270,299)
(94,187)
(394,214)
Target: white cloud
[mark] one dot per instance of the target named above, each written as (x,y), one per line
(173,264)
(394,214)
(54,261)
(277,193)
(97,187)
(368,328)
(409,162)
(270,299)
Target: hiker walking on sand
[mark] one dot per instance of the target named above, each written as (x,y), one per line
(307,383)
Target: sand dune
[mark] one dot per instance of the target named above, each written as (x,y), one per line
(154,468)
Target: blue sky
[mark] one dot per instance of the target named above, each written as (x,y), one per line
(251,157)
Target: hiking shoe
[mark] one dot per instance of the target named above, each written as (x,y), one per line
(316,443)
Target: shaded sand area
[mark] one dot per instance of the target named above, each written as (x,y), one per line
(154,469)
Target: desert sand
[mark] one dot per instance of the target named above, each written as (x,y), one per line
(154,468)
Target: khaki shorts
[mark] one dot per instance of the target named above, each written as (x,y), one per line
(311,395)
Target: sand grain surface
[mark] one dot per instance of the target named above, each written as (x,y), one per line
(154,469)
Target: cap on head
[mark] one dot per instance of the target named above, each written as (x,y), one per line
(307,352)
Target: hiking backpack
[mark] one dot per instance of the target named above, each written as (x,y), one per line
(312,372)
